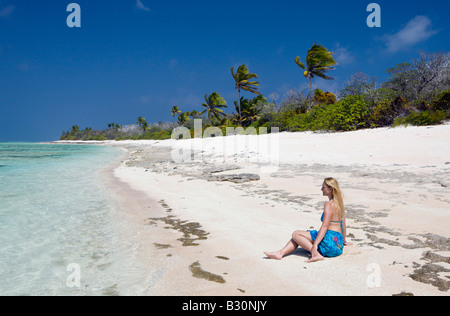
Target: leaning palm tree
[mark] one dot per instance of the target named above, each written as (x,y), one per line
(213,104)
(242,81)
(318,61)
(174,111)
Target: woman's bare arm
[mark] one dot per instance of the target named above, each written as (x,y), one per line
(325,224)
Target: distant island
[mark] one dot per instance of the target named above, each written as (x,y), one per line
(416,93)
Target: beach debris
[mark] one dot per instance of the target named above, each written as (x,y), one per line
(162,246)
(192,232)
(441,184)
(199,273)
(403,293)
(111,291)
(429,274)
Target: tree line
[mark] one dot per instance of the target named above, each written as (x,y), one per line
(416,93)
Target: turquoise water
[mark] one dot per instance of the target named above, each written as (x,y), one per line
(58,229)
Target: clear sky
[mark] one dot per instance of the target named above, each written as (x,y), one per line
(135,58)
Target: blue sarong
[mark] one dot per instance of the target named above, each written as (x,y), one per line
(332,245)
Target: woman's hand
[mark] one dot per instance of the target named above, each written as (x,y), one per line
(347,244)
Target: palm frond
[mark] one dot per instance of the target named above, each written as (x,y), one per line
(323,76)
(299,63)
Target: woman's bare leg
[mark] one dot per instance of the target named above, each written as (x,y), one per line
(299,239)
(303,239)
(278,255)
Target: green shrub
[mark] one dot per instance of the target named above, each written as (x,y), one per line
(442,103)
(423,118)
(286,121)
(385,112)
(324,98)
(157,135)
(100,138)
(382,114)
(351,113)
(319,118)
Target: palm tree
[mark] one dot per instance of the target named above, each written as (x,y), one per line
(241,78)
(142,122)
(75,130)
(193,114)
(183,118)
(174,111)
(250,109)
(318,61)
(213,105)
(113,126)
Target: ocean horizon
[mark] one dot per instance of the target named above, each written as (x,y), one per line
(60,233)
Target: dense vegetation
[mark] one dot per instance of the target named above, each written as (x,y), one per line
(416,93)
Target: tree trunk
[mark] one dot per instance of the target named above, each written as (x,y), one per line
(310,88)
(239,105)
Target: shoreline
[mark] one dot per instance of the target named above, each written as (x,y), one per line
(207,225)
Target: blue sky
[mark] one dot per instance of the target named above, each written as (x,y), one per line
(135,58)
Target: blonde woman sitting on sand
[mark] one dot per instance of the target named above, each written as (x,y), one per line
(329,241)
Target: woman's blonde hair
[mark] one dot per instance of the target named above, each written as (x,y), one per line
(337,193)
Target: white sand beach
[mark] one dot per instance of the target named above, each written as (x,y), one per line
(206,209)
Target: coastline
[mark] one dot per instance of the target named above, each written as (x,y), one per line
(203,223)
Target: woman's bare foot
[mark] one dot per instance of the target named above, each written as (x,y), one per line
(274,255)
(317,257)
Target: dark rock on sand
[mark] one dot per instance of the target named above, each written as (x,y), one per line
(236,178)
